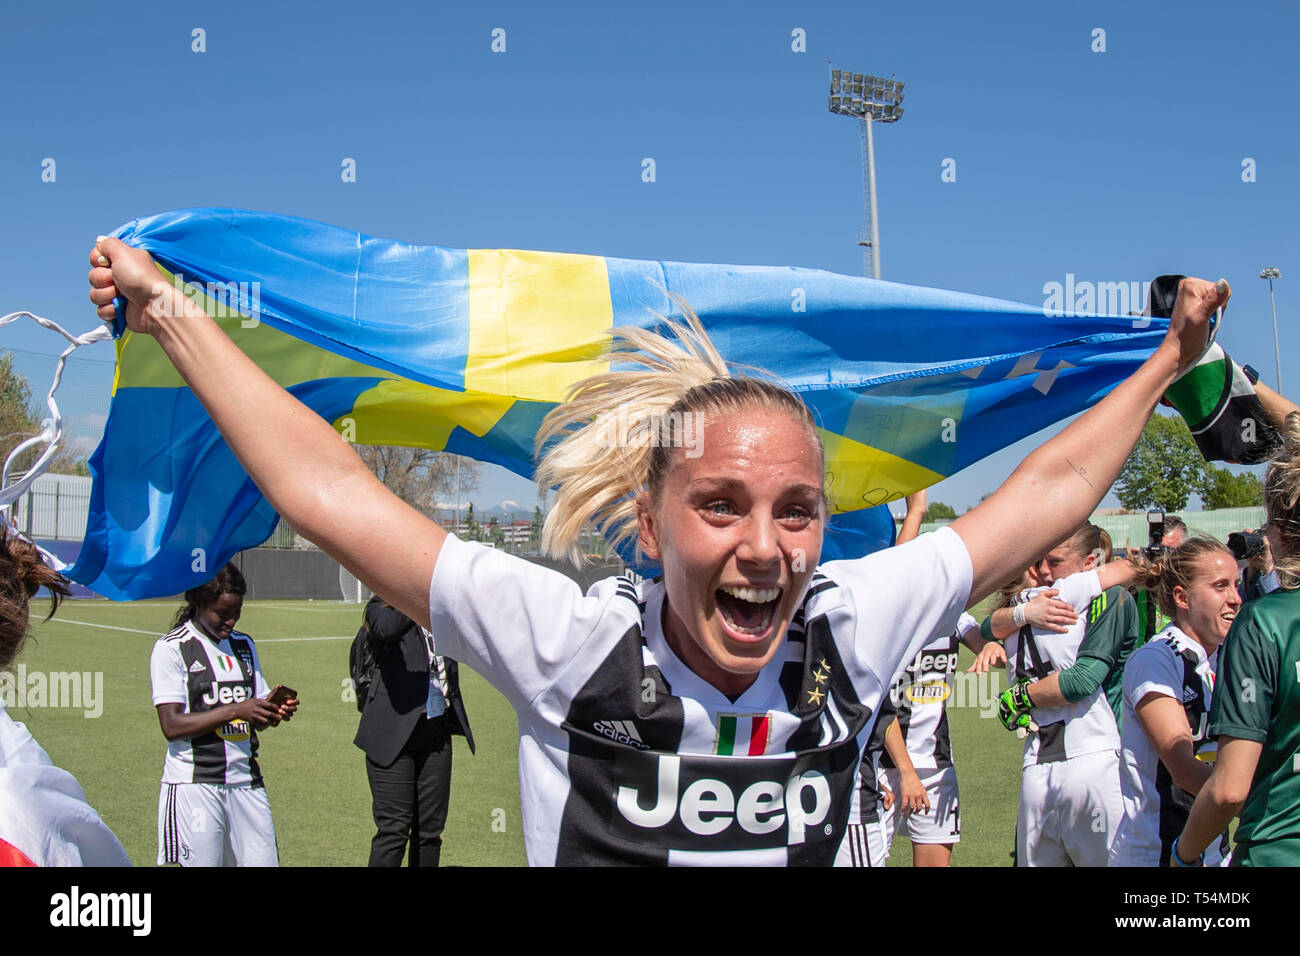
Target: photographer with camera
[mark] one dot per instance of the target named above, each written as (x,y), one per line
(1258,577)
(1164,533)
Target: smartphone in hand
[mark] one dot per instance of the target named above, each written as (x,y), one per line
(281,695)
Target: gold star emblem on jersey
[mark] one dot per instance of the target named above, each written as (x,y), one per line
(821,677)
(816,695)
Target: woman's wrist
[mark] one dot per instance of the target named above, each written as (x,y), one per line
(1169,361)
(168,306)
(1177,858)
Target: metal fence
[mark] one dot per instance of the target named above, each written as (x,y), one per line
(1131,530)
(58,513)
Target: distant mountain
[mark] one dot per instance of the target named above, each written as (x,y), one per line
(502,509)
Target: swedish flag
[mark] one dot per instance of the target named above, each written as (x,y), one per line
(467,350)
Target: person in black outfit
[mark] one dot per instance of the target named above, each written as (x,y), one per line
(408,753)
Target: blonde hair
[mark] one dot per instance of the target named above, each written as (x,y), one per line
(1090,539)
(1175,568)
(1282,501)
(1007,593)
(597,471)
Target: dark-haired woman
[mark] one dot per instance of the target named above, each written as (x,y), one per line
(44,817)
(211,699)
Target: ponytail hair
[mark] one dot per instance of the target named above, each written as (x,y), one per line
(1282,501)
(22,574)
(1090,539)
(620,432)
(229,580)
(1174,568)
(1007,593)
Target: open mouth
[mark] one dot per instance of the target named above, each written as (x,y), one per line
(748,612)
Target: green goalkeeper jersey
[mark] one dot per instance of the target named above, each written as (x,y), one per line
(1151,619)
(1113,623)
(1257,697)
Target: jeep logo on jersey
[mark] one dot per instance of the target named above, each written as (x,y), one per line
(923,663)
(748,803)
(928,692)
(220,693)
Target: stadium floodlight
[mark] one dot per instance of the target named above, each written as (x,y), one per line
(1270,274)
(871,99)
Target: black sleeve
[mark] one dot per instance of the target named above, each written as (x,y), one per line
(387,624)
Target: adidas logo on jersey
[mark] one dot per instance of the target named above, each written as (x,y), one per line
(196,667)
(1190,694)
(621,732)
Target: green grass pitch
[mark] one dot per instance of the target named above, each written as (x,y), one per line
(316,776)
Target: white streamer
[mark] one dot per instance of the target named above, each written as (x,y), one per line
(52,434)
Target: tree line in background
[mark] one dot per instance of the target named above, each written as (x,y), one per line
(22,417)
(1163,472)
(1166,469)
(423,478)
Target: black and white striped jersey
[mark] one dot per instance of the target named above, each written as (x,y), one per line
(920,695)
(1086,726)
(627,756)
(190,668)
(865,806)
(1155,808)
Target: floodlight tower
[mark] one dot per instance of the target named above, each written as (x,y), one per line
(870,99)
(1270,274)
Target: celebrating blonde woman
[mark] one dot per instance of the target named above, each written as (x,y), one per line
(716,715)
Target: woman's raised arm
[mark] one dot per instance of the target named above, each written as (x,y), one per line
(1057,487)
(311,476)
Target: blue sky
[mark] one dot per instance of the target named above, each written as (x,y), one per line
(1111,166)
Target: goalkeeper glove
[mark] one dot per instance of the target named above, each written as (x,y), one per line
(1014,706)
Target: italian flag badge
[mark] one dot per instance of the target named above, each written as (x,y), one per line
(743,735)
(225,663)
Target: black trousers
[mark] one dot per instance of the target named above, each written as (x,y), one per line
(410,797)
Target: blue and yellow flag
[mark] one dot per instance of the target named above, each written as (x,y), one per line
(467,350)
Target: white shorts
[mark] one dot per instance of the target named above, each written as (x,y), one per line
(215,824)
(863,845)
(942,824)
(1070,811)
